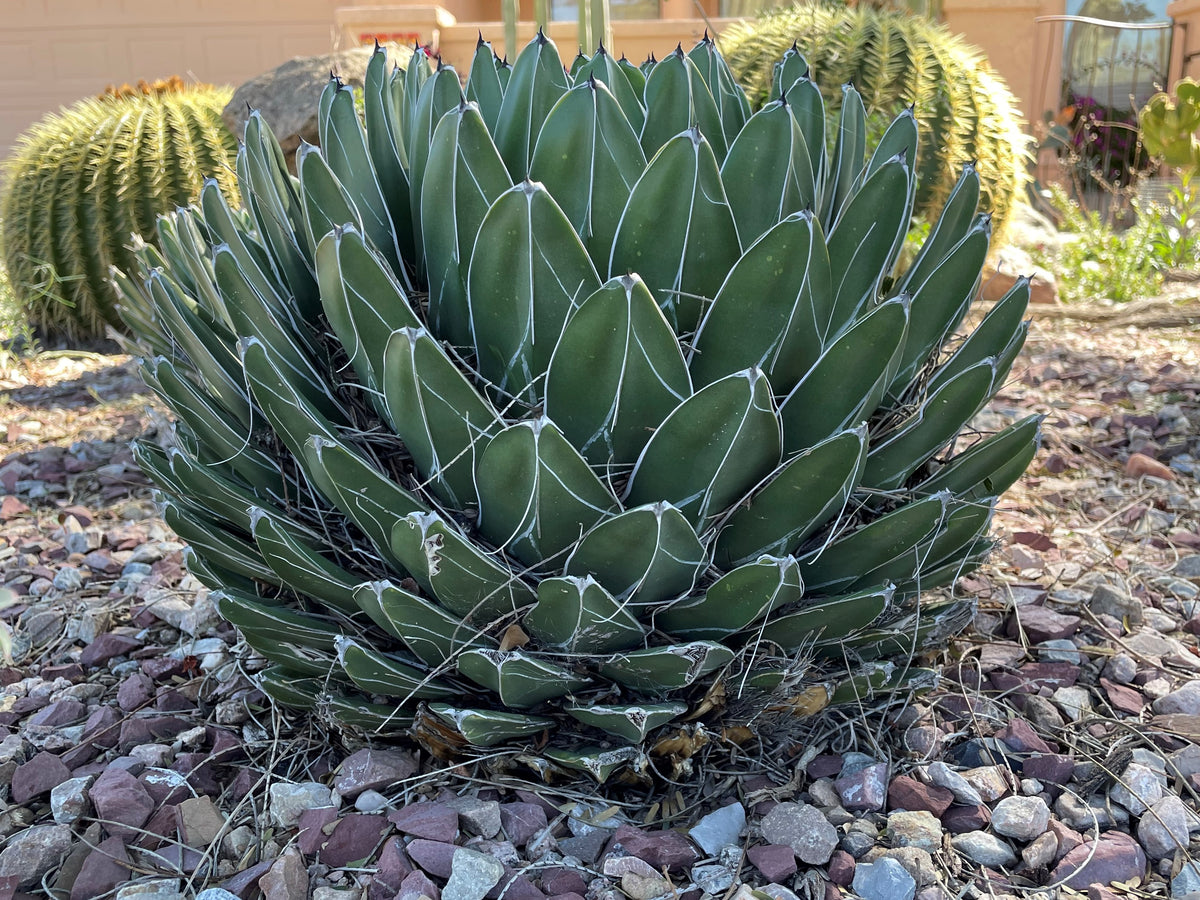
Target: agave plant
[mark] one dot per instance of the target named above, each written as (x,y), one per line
(582,410)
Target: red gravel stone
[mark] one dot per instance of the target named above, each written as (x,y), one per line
(1042,624)
(61,712)
(841,868)
(522,821)
(312,835)
(659,848)
(775,861)
(102,870)
(864,790)
(961,819)
(1124,699)
(556,882)
(906,792)
(1116,857)
(106,647)
(432,821)
(1052,768)
(432,856)
(122,803)
(40,774)
(1020,736)
(354,838)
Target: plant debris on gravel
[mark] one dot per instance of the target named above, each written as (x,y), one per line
(1060,755)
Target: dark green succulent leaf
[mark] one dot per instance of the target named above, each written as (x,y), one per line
(900,139)
(299,566)
(958,539)
(677,100)
(288,626)
(870,554)
(634,75)
(362,300)
(808,108)
(794,501)
(483,84)
(416,74)
(291,415)
(528,272)
(711,450)
(476,586)
(380,720)
(847,383)
(645,555)
(767,173)
(999,335)
(368,497)
(577,615)
(866,239)
(383,121)
(940,303)
(304,661)
(849,157)
(597,762)
(463,178)
(488,727)
(224,227)
(827,620)
(634,377)
(281,685)
(439,95)
(326,203)
(732,105)
(444,422)
(588,157)
(956,219)
(221,546)
(662,669)
(880,678)
(735,601)
(604,68)
(629,722)
(522,680)
(535,85)
(935,422)
(387,675)
(212,576)
(191,258)
(431,635)
(679,194)
(536,493)
(990,466)
(790,68)
(770,310)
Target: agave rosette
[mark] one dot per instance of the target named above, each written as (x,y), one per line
(573,409)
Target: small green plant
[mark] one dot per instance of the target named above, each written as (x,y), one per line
(1168,127)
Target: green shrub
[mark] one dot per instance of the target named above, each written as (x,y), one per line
(583,442)
(896,60)
(81,182)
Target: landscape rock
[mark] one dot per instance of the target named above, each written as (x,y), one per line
(1041,851)
(1114,857)
(943,776)
(41,773)
(668,849)
(985,849)
(102,870)
(472,875)
(434,821)
(289,799)
(1021,818)
(372,769)
(121,801)
(287,878)
(1183,701)
(1116,601)
(719,829)
(417,884)
(1041,624)
(915,829)
(803,828)
(1187,881)
(481,817)
(864,790)
(520,821)
(906,792)
(1137,789)
(963,819)
(713,879)
(884,879)
(32,853)
(1164,828)
(354,839)
(776,862)
(69,800)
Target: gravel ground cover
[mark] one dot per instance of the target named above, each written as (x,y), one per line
(1059,756)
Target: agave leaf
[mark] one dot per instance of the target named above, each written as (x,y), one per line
(282,686)
(846,384)
(808,108)
(383,123)
(217,544)
(291,415)
(634,75)
(635,377)
(630,722)
(732,105)
(577,615)
(794,501)
(604,68)
(439,95)
(598,762)
(879,678)
(941,302)
(521,679)
(769,313)
(431,635)
(736,600)
(536,493)
(767,173)
(956,540)
(287,626)
(362,300)
(990,466)
(998,335)
(444,422)
(487,727)
(662,669)
(868,555)
(528,272)
(326,204)
(589,159)
(536,84)
(849,152)
(937,421)
(868,235)
(463,579)
(370,499)
(255,263)
(388,676)
(899,139)
(677,99)
(301,567)
(463,178)
(212,576)
(483,84)
(648,554)
(304,661)
(377,719)
(790,68)
(827,620)
(417,73)
(679,194)
(179,230)
(956,219)
(711,449)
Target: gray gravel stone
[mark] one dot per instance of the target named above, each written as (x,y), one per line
(1163,828)
(1022,818)
(943,776)
(216,894)
(804,829)
(985,849)
(1075,702)
(1188,879)
(884,879)
(1059,650)
(32,853)
(472,875)
(288,800)
(482,817)
(69,800)
(915,829)
(719,829)
(1184,701)
(1137,789)
(713,879)
(1117,602)
(1121,668)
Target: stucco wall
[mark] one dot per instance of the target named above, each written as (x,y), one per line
(53,52)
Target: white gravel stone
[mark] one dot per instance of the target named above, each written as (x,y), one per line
(289,800)
(472,875)
(713,879)
(721,828)
(884,879)
(985,849)
(1163,828)
(943,776)
(1022,818)
(1075,702)
(69,800)
(1137,789)
(370,801)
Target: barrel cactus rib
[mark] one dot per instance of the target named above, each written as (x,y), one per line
(548,510)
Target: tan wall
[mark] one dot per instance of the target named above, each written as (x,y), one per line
(53,52)
(1186,14)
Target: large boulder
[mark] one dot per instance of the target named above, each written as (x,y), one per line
(287,95)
